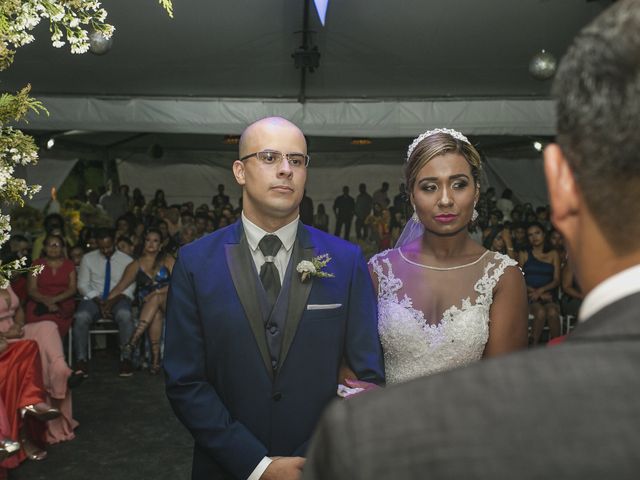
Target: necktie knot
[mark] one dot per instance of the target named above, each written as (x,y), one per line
(269,245)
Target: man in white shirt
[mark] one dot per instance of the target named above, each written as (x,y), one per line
(100,271)
(568,411)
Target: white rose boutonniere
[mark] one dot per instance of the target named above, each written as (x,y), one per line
(313,267)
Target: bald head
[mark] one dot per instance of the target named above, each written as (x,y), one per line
(259,132)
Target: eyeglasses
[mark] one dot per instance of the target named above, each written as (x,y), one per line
(272,157)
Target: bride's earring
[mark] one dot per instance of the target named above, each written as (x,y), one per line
(475,214)
(415,217)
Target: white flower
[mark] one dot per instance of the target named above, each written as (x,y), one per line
(313,267)
(57,44)
(306,266)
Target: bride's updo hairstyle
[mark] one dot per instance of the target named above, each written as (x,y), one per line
(438,142)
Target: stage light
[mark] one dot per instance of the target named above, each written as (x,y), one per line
(231,139)
(537,146)
(361,141)
(50,143)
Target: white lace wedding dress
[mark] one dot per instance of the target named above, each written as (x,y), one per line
(430,319)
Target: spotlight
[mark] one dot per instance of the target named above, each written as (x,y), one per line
(50,143)
(537,146)
(361,141)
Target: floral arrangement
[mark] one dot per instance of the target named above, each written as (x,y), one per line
(313,267)
(69,21)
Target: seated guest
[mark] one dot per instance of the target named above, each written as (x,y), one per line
(520,241)
(557,243)
(151,273)
(56,374)
(52,292)
(500,241)
(571,293)
(75,255)
(541,267)
(22,395)
(188,234)
(53,223)
(201,224)
(100,271)
(125,245)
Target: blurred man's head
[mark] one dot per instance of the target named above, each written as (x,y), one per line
(593,171)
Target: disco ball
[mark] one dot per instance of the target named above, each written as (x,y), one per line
(542,65)
(98,44)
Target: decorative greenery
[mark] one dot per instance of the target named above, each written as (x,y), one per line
(69,21)
(313,267)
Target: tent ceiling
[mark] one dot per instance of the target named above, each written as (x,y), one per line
(402,49)
(387,69)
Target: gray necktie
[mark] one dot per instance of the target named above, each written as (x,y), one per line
(269,246)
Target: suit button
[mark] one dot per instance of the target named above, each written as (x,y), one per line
(273,329)
(277,397)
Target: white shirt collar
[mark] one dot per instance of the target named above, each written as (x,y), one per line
(254,233)
(620,285)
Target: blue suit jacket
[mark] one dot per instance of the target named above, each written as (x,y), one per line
(219,377)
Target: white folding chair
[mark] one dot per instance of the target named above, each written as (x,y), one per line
(102,326)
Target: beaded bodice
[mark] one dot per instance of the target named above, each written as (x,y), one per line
(433,320)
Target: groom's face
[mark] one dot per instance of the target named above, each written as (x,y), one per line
(274,190)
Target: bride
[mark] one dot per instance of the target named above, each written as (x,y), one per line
(444,301)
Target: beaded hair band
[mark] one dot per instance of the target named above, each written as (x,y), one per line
(454,133)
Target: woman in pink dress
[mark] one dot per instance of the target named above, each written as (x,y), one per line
(51,294)
(55,371)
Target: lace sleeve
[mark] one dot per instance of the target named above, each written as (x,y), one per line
(387,284)
(493,270)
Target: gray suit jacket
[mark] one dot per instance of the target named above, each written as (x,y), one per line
(567,411)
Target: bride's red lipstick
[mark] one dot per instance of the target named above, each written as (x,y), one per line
(446,218)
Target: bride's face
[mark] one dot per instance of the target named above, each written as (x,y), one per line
(444,194)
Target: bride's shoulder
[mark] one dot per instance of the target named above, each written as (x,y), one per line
(501,259)
(378,257)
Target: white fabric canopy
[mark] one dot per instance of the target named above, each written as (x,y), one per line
(324,118)
(524,176)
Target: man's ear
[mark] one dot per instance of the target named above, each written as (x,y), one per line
(564,195)
(238,172)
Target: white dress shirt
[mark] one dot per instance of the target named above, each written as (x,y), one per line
(287,236)
(614,288)
(92,271)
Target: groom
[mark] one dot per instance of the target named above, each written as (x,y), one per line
(252,348)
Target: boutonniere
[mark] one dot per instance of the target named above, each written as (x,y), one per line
(313,267)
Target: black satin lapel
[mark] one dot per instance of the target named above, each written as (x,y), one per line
(298,296)
(241,267)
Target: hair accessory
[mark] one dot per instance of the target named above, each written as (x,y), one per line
(449,131)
